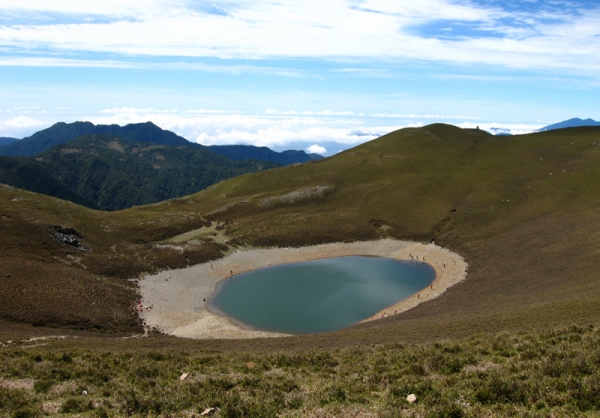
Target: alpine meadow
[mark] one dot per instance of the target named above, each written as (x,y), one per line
(517,337)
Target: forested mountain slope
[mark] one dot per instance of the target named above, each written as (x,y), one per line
(109,173)
(61,133)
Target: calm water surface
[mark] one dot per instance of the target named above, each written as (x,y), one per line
(320,295)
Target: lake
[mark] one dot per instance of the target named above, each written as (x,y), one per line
(320,295)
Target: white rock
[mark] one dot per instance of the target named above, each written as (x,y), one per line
(412,398)
(208,411)
(183,377)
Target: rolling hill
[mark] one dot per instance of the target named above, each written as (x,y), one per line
(522,210)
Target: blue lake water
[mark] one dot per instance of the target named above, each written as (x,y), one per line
(320,295)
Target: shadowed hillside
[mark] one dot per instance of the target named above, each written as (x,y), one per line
(247,152)
(109,173)
(522,210)
(571,123)
(61,133)
(6,141)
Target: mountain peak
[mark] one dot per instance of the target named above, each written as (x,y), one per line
(62,132)
(570,123)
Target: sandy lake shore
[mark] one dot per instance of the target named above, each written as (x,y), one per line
(173,301)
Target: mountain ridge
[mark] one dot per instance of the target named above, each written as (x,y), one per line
(570,123)
(244,152)
(109,173)
(62,132)
(147,132)
(6,140)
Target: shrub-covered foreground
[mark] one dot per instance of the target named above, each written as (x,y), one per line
(546,373)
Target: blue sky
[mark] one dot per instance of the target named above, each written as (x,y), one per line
(302,75)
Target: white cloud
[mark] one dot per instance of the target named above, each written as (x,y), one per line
(221,129)
(20,126)
(513,128)
(150,110)
(279,131)
(308,112)
(316,149)
(216,127)
(424,116)
(123,8)
(315,29)
(233,69)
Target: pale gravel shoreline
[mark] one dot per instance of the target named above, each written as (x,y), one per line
(173,300)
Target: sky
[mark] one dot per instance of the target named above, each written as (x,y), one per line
(312,75)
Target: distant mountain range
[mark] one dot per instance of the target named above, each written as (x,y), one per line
(61,133)
(501,131)
(243,152)
(6,141)
(571,123)
(109,173)
(111,167)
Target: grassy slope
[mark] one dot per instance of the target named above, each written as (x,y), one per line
(531,238)
(45,282)
(546,374)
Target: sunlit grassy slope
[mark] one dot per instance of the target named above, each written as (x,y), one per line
(549,373)
(522,210)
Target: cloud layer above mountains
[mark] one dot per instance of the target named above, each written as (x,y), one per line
(559,34)
(299,74)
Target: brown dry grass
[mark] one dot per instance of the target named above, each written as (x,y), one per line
(531,237)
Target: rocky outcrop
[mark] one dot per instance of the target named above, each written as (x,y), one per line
(68,236)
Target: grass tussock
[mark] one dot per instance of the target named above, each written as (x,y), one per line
(549,373)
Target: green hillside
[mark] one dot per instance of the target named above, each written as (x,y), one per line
(28,174)
(522,210)
(109,173)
